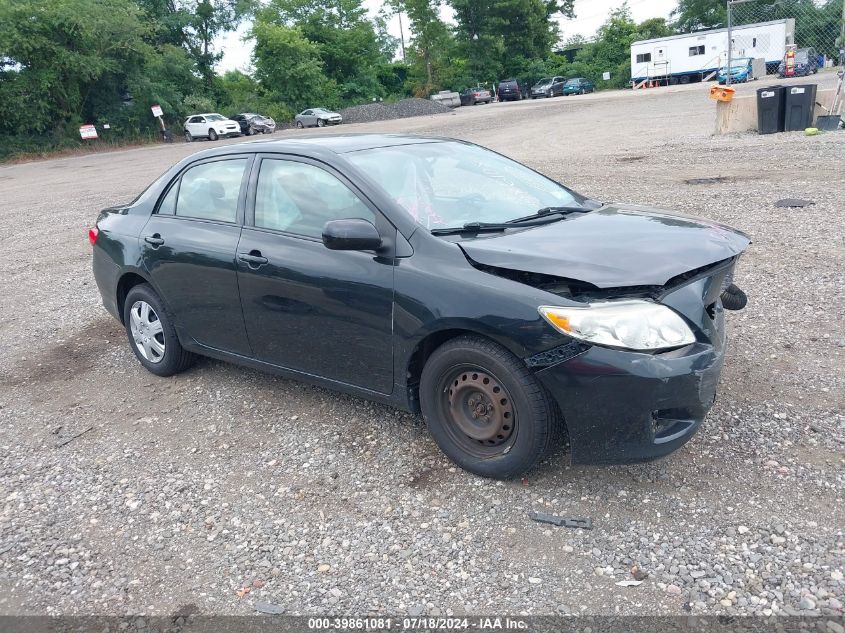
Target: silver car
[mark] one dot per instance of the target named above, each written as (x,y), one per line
(318,117)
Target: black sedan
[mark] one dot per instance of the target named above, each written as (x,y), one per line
(252,123)
(435,276)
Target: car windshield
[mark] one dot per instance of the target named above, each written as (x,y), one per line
(319,111)
(544,82)
(572,82)
(449,184)
(214,117)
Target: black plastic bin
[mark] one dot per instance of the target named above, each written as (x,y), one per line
(770,109)
(800,105)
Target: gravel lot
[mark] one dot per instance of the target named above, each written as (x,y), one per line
(224,488)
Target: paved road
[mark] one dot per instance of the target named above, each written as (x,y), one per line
(188,490)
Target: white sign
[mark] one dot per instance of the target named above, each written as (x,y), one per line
(157,110)
(87,131)
(606,76)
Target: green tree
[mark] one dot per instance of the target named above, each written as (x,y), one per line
(347,43)
(695,15)
(513,37)
(288,65)
(432,49)
(653,28)
(54,65)
(206,20)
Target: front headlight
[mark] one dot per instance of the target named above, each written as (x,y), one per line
(635,325)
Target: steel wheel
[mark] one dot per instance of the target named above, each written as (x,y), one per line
(147,331)
(478,411)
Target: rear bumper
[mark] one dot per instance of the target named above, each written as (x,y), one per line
(106,274)
(626,407)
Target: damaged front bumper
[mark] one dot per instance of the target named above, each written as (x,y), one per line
(622,406)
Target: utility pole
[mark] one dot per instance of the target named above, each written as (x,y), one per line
(730,43)
(401,35)
(842,37)
(731,3)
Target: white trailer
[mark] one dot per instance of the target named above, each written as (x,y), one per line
(698,56)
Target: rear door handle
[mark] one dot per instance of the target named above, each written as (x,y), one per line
(253,258)
(155,239)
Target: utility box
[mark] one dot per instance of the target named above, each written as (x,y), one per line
(758,67)
(799,107)
(770,110)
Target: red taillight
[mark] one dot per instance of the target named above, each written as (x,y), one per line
(93,233)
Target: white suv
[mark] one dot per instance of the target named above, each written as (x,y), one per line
(211,126)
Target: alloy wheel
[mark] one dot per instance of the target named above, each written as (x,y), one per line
(147,331)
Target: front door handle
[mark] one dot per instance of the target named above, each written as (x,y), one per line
(155,239)
(253,258)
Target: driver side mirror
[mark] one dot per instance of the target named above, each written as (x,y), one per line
(353,234)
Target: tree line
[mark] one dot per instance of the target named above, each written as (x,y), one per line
(68,62)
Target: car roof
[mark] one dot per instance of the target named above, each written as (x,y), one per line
(323,143)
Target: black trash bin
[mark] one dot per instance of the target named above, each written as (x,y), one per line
(770,109)
(799,104)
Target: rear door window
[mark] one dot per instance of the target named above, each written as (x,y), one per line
(210,191)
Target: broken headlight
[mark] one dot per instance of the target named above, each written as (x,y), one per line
(635,325)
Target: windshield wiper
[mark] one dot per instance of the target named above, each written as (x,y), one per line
(489,227)
(547,211)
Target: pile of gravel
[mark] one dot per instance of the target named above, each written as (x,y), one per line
(385,111)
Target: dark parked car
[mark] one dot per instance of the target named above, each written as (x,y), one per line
(548,87)
(476,95)
(252,123)
(578,86)
(435,276)
(511,90)
(806,63)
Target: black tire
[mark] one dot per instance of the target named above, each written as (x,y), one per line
(299,125)
(250,131)
(188,137)
(175,359)
(212,135)
(523,426)
(321,123)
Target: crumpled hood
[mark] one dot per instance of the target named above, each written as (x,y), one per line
(613,247)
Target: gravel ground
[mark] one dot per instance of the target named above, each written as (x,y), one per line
(223,488)
(403,109)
